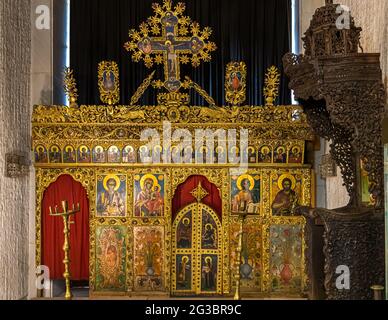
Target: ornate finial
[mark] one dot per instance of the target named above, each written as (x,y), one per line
(70,87)
(199,193)
(330,35)
(271,89)
(170,38)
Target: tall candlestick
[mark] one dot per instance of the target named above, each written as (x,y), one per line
(66,214)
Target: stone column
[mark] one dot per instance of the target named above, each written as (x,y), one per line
(15,62)
(41,93)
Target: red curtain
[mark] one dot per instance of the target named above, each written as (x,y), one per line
(66,188)
(183,196)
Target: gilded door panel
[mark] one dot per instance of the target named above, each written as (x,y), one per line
(197,252)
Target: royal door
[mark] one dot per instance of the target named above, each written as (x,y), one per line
(197,251)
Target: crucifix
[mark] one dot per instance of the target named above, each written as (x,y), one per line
(66,214)
(170,45)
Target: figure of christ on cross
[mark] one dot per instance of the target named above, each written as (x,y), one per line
(171,45)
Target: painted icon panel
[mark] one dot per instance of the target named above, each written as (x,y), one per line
(41,154)
(114,154)
(209,269)
(148,258)
(184,272)
(286,190)
(245,192)
(280,155)
(184,232)
(110,258)
(99,155)
(295,155)
(69,155)
(265,154)
(83,154)
(209,231)
(111,195)
(55,154)
(129,155)
(285,258)
(149,195)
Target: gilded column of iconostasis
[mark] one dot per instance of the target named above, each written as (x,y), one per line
(168,226)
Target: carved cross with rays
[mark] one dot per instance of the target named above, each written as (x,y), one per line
(175,39)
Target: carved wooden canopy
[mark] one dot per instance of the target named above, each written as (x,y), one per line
(343,96)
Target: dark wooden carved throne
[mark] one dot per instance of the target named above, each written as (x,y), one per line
(341,91)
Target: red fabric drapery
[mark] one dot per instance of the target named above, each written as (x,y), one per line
(183,196)
(66,188)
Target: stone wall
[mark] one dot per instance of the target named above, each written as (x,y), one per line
(15,61)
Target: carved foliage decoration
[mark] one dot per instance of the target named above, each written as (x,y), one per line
(70,87)
(271,89)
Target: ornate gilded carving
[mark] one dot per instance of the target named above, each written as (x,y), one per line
(70,87)
(271,89)
(108,82)
(130,115)
(235,83)
(142,88)
(95,144)
(190,84)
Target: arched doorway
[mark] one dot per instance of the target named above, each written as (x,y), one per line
(52,255)
(197,246)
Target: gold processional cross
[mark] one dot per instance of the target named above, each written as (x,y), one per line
(66,215)
(176,38)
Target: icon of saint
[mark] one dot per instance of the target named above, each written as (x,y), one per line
(286,200)
(149,202)
(184,272)
(110,202)
(235,81)
(265,155)
(243,198)
(184,234)
(295,155)
(109,81)
(69,155)
(208,274)
(209,237)
(280,155)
